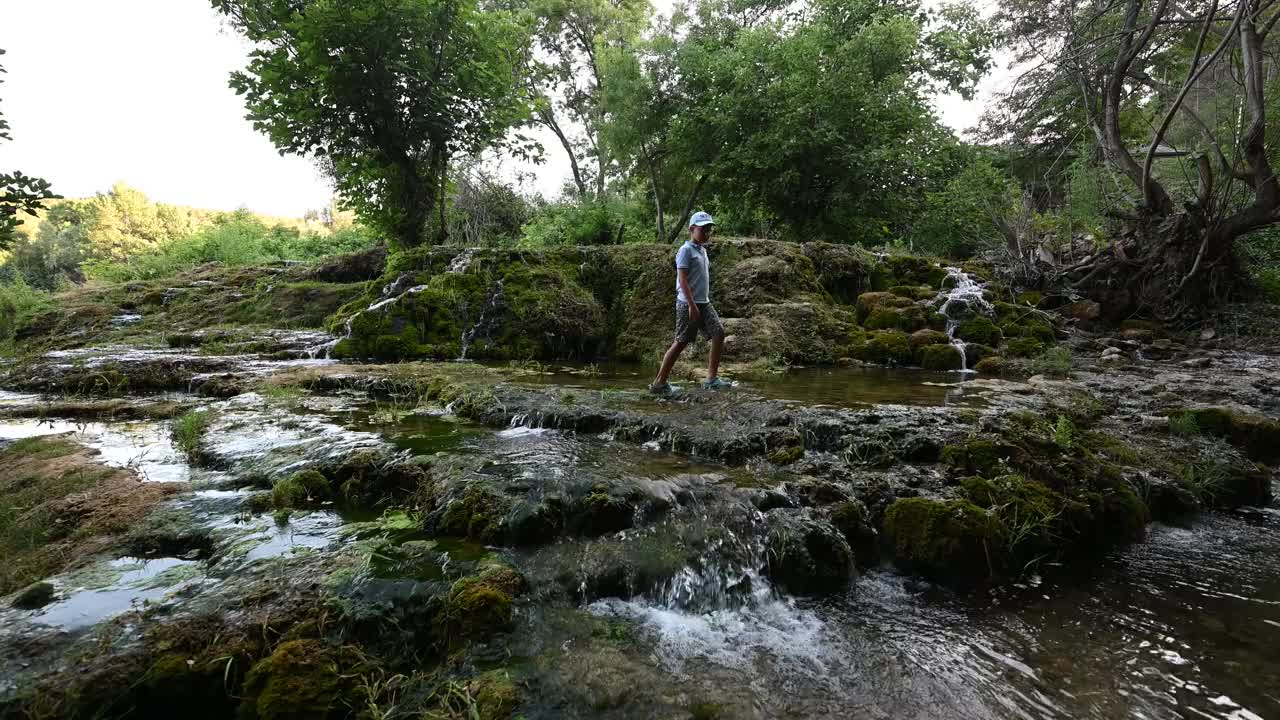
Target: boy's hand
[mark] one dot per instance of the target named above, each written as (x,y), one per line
(694,314)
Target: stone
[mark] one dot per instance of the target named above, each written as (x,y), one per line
(1138,335)
(33,596)
(1083,310)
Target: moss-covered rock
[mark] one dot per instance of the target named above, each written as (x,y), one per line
(922,338)
(1258,436)
(977,457)
(35,595)
(806,555)
(479,513)
(601,511)
(949,540)
(941,357)
(870,303)
(897,270)
(301,679)
(496,695)
(479,606)
(908,319)
(975,353)
(889,347)
(302,489)
(1024,347)
(993,365)
(853,521)
(979,330)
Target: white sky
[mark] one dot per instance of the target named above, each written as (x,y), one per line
(136,91)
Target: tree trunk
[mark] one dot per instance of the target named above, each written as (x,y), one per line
(1168,267)
(657,193)
(688,208)
(417,202)
(547,117)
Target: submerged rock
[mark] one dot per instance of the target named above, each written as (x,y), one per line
(35,595)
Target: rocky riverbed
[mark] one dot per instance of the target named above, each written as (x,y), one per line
(227,516)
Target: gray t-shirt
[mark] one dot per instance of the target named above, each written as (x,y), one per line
(693,258)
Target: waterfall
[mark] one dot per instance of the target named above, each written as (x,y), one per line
(961,302)
(487,315)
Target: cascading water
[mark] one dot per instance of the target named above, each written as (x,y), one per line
(961,302)
(482,325)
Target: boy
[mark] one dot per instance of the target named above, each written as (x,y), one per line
(694,311)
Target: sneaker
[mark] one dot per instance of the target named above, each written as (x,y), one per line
(664,390)
(717,383)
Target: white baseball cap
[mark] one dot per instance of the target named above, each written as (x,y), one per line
(700,219)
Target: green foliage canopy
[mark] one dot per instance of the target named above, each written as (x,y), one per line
(819,115)
(383,93)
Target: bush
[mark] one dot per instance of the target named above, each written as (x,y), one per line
(233,239)
(18,302)
(592,222)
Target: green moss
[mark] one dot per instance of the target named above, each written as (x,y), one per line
(496,695)
(479,514)
(991,365)
(976,457)
(601,512)
(479,606)
(979,330)
(786,455)
(1024,347)
(869,303)
(1054,362)
(921,338)
(886,347)
(1030,297)
(895,270)
(1258,436)
(1035,522)
(908,319)
(941,357)
(301,679)
(948,540)
(302,489)
(852,520)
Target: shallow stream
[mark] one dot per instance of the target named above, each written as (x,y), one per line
(1183,625)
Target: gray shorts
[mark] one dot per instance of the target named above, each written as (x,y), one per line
(708,322)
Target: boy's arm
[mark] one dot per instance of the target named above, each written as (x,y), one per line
(682,275)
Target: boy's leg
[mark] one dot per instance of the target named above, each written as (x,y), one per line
(668,362)
(686,331)
(713,364)
(713,329)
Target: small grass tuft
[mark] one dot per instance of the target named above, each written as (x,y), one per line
(1054,362)
(189,429)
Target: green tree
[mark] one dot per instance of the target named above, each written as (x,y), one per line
(571,36)
(19,193)
(383,93)
(1176,101)
(817,115)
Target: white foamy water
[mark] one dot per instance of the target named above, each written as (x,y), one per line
(776,632)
